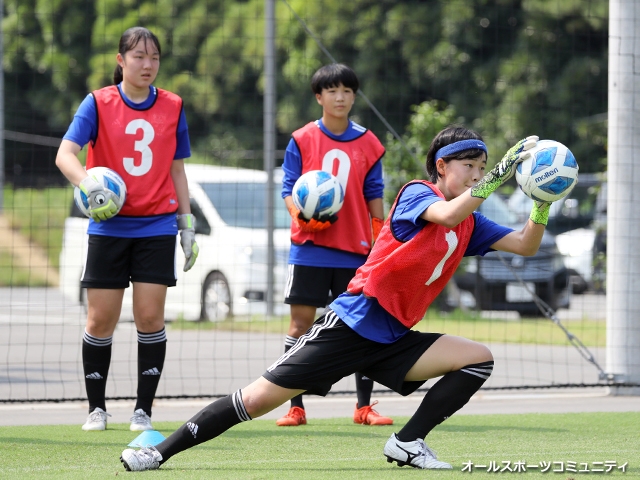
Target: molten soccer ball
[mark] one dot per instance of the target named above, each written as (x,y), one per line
(110,180)
(549,174)
(317,193)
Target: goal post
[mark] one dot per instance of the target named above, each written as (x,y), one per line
(623,176)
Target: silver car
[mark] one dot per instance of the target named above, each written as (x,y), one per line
(505,281)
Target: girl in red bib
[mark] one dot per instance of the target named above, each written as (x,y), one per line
(325,254)
(139,131)
(431,227)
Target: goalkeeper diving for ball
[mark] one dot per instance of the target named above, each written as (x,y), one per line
(431,227)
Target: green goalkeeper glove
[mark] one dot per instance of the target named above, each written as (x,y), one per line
(186,225)
(504,170)
(540,212)
(102,202)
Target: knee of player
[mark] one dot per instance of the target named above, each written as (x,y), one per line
(481,353)
(255,404)
(485,351)
(300,327)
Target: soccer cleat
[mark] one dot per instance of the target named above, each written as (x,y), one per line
(97,420)
(415,454)
(368,416)
(140,460)
(140,421)
(295,417)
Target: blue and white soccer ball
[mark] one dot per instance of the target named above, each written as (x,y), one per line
(110,180)
(317,193)
(549,174)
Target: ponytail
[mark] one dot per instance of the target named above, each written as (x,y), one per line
(117,75)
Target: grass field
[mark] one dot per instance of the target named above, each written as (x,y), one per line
(466,324)
(338,449)
(12,275)
(37,214)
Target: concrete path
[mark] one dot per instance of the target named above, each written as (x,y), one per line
(40,339)
(44,363)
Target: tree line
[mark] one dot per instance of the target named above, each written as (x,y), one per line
(507,68)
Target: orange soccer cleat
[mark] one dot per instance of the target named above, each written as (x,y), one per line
(296,416)
(368,416)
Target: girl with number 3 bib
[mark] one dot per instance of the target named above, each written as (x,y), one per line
(139,131)
(430,228)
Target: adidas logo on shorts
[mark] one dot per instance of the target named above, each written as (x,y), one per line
(151,371)
(94,376)
(193,428)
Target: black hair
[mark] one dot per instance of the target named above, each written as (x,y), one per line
(451,134)
(128,41)
(333,75)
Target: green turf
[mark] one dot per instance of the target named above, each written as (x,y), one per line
(12,275)
(39,215)
(470,325)
(336,448)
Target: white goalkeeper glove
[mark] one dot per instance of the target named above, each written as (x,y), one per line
(186,225)
(102,202)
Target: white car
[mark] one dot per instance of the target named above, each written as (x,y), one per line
(230,276)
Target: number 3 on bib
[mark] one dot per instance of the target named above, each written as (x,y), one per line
(452,241)
(141,146)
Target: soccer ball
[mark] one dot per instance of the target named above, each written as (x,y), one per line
(110,180)
(317,193)
(549,174)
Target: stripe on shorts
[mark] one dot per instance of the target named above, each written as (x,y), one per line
(329,321)
(287,287)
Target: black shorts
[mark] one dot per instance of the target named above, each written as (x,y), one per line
(331,350)
(112,262)
(311,285)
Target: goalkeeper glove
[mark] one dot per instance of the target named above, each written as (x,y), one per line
(101,201)
(376,226)
(186,225)
(540,212)
(315,224)
(505,169)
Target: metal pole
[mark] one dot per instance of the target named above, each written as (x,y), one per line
(269,139)
(623,215)
(1,108)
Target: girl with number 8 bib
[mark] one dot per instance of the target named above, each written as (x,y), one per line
(430,228)
(140,132)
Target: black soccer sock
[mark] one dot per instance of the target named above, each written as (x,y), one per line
(364,387)
(445,398)
(289,342)
(152,349)
(213,420)
(96,357)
